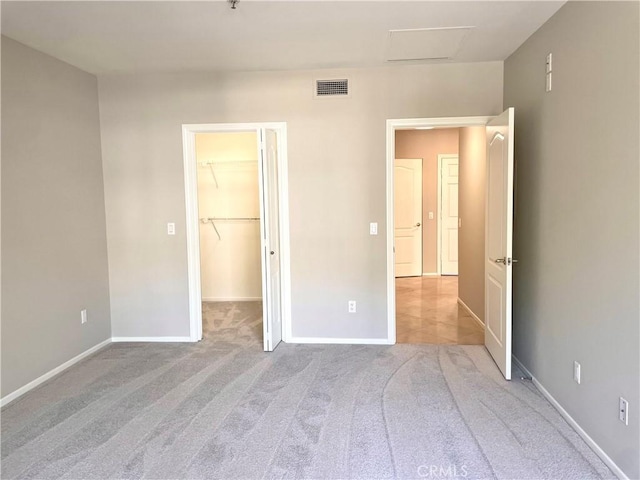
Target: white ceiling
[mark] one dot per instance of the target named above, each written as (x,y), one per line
(158,36)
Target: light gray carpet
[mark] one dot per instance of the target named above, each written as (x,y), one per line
(224,409)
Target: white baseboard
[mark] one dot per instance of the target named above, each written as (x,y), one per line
(521,366)
(430,274)
(473,315)
(341,341)
(51,373)
(231,299)
(151,339)
(584,435)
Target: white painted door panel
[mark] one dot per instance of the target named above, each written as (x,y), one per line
(499,240)
(449,215)
(272,304)
(408,217)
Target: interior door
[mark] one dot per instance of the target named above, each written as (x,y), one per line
(449,215)
(407,209)
(271,298)
(499,240)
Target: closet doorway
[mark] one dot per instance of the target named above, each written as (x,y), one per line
(237,231)
(229,214)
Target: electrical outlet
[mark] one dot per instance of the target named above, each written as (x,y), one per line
(352,306)
(171,228)
(576,372)
(623,411)
(83,316)
(373,228)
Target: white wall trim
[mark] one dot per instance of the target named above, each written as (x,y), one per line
(342,341)
(192,229)
(52,373)
(150,339)
(441,156)
(524,369)
(471,312)
(231,299)
(392,126)
(192,223)
(391,247)
(584,435)
(434,274)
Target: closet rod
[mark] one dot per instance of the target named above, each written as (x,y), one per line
(233,218)
(213,220)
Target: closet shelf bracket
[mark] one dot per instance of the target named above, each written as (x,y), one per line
(213,224)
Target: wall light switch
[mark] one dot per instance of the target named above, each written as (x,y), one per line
(171,228)
(549,62)
(373,228)
(83,316)
(430,215)
(623,411)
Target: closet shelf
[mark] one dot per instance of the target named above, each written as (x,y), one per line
(210,164)
(207,163)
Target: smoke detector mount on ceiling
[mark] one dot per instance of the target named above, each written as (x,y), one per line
(426,43)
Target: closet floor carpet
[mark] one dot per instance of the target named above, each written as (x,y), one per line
(224,409)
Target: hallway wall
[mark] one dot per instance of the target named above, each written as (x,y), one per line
(472,188)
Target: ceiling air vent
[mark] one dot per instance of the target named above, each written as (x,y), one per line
(332,88)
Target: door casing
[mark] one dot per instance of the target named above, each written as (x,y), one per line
(441,157)
(189,132)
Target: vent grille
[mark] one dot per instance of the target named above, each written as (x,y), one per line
(330,88)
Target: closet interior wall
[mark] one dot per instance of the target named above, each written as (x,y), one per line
(229,211)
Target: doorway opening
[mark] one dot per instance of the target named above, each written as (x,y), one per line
(491,270)
(229,215)
(237,230)
(428,302)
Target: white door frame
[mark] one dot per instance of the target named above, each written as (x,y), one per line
(439,210)
(392,126)
(189,132)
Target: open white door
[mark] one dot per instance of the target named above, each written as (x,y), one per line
(449,214)
(408,217)
(271,295)
(499,240)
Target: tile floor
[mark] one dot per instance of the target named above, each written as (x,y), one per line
(427,311)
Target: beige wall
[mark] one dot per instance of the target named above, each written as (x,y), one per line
(227,147)
(428,144)
(230,266)
(472,187)
(577,216)
(54,252)
(336,173)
